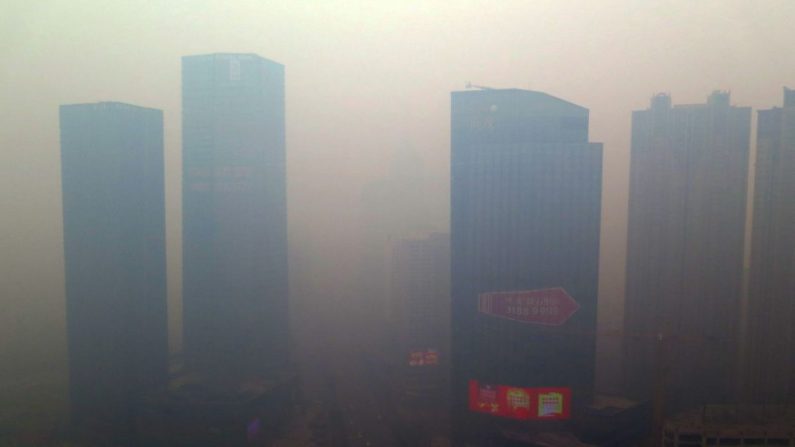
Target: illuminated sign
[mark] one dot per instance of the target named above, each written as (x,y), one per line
(550,404)
(550,307)
(518,402)
(423,358)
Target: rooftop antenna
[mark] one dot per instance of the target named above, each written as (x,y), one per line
(481,87)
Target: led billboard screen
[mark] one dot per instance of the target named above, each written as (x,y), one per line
(548,403)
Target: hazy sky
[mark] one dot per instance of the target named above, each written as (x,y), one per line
(364,79)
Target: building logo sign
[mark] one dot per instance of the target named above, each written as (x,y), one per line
(234,69)
(519,402)
(550,307)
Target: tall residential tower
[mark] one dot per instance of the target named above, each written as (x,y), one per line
(770,359)
(687,208)
(234,208)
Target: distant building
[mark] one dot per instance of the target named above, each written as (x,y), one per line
(419,311)
(390,208)
(770,350)
(687,210)
(525,218)
(114,253)
(235,303)
(418,356)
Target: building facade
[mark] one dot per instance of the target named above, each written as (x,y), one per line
(687,211)
(114,253)
(770,350)
(418,355)
(235,291)
(419,314)
(525,220)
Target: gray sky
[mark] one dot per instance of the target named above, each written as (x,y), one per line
(364,78)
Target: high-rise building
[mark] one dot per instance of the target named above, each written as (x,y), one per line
(525,219)
(114,253)
(418,355)
(419,315)
(235,303)
(770,346)
(687,211)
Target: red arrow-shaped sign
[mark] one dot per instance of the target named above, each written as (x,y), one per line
(551,307)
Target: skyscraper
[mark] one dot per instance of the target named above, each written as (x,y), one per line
(770,373)
(235,304)
(525,218)
(687,207)
(114,253)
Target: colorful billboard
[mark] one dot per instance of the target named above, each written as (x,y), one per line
(423,358)
(551,307)
(549,403)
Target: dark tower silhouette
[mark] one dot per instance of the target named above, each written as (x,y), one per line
(770,375)
(687,208)
(525,216)
(235,290)
(114,253)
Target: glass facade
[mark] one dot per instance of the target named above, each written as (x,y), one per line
(525,216)
(114,250)
(235,309)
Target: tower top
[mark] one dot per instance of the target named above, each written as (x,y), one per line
(789,97)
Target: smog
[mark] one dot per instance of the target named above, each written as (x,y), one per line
(350,223)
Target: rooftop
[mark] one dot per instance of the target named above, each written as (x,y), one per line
(527,94)
(242,56)
(110,105)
